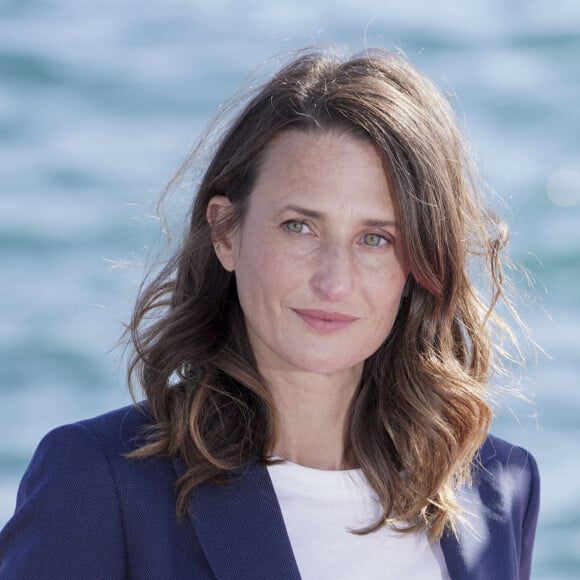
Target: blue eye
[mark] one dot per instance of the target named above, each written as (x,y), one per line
(375,240)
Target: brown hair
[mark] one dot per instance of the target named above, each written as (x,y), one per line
(422,408)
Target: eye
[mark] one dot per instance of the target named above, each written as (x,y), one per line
(296,227)
(375,240)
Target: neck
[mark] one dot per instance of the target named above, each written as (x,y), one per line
(312,415)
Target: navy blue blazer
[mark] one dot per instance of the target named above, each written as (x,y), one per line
(85,511)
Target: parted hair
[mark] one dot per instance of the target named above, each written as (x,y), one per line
(423,405)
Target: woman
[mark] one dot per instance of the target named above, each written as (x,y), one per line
(315,359)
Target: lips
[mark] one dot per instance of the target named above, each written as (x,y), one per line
(325,321)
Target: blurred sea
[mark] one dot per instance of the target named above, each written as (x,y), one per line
(100,101)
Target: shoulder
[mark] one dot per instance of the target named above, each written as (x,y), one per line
(81,490)
(507,482)
(69,495)
(122,429)
(499,450)
(70,453)
(495,534)
(90,458)
(79,447)
(83,456)
(503,460)
(118,424)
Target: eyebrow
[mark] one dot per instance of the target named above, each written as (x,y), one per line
(320,215)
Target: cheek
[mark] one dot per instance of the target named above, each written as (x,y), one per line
(265,276)
(386,292)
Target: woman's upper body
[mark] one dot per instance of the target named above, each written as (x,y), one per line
(85,510)
(321,310)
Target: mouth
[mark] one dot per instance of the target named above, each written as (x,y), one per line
(325,321)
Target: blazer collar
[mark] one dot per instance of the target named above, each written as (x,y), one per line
(240,527)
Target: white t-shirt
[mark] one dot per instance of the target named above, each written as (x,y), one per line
(319,509)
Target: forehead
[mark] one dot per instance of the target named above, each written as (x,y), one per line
(328,168)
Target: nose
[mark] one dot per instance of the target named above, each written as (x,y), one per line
(333,275)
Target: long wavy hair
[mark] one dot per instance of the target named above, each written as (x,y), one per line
(423,405)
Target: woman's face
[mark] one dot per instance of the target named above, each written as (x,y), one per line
(317,258)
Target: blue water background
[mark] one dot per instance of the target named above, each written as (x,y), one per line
(100,101)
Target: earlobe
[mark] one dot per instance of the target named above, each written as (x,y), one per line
(218,213)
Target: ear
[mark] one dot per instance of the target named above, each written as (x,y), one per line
(219,210)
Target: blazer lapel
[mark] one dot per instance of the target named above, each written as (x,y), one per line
(241,529)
